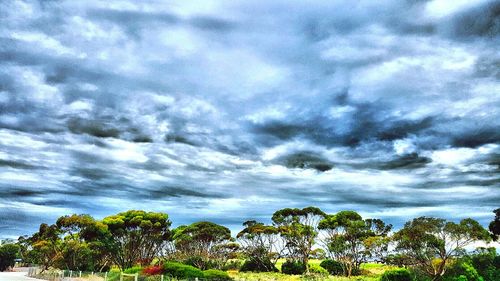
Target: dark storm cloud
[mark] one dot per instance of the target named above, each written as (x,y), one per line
(227,111)
(482,21)
(367,122)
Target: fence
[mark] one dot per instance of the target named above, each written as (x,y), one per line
(70,275)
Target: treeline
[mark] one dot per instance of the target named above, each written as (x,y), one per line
(428,246)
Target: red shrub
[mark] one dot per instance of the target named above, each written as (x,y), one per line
(153,270)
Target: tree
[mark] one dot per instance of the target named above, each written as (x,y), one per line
(84,243)
(136,236)
(46,246)
(495,225)
(430,243)
(299,229)
(261,245)
(203,241)
(351,240)
(8,253)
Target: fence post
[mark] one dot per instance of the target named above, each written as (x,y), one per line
(70,273)
(106,276)
(161,277)
(121,276)
(80,274)
(136,276)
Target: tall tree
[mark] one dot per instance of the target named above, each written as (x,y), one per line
(430,243)
(351,240)
(299,229)
(8,254)
(46,246)
(261,245)
(136,236)
(84,244)
(495,225)
(203,241)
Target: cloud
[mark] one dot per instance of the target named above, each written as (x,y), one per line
(227,111)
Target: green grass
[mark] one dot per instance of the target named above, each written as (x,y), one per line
(371,272)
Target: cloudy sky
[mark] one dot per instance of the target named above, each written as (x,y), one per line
(230,110)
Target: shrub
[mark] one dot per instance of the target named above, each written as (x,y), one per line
(293,267)
(233,265)
(214,274)
(462,268)
(258,266)
(153,270)
(200,263)
(400,274)
(317,269)
(133,270)
(182,271)
(8,254)
(114,274)
(333,267)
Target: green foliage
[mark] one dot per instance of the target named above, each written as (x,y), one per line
(299,229)
(430,243)
(8,253)
(233,265)
(462,269)
(182,271)
(133,270)
(253,265)
(494,225)
(133,230)
(260,241)
(333,267)
(400,274)
(293,267)
(317,269)
(205,244)
(487,263)
(216,275)
(352,240)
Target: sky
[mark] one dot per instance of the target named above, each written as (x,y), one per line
(230,110)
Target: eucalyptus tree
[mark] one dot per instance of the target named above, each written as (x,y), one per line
(136,236)
(299,229)
(495,225)
(202,242)
(262,246)
(85,243)
(351,240)
(429,244)
(44,246)
(8,254)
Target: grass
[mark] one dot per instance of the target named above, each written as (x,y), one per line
(371,272)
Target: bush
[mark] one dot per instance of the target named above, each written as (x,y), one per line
(333,267)
(460,269)
(8,254)
(400,274)
(133,270)
(233,265)
(293,267)
(182,271)
(317,269)
(258,266)
(153,270)
(214,274)
(200,263)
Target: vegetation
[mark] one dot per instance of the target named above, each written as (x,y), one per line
(8,254)
(429,244)
(400,274)
(333,267)
(349,239)
(304,244)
